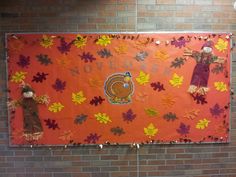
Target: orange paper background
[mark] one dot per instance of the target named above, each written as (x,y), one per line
(144,96)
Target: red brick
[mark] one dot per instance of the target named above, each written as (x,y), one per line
(175,150)
(210,171)
(167,167)
(184,156)
(109,157)
(119,174)
(96,20)
(148,168)
(119,163)
(156,162)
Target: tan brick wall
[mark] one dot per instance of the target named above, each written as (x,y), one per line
(208,160)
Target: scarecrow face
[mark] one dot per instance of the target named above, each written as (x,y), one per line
(28,94)
(207,49)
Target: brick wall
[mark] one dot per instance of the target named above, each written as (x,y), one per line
(212,160)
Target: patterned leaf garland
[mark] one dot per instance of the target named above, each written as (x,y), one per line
(170,116)
(183,129)
(39,77)
(18,77)
(44,59)
(117,131)
(102,118)
(129,116)
(150,130)
(51,124)
(180,42)
(178,62)
(202,124)
(92,138)
(79,119)
(24,61)
(151,112)
(56,107)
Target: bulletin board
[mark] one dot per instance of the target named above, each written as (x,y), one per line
(118,88)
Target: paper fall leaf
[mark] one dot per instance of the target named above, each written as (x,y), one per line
(192,114)
(18,77)
(46,41)
(221,45)
(143,78)
(80,41)
(104,40)
(78,98)
(151,112)
(202,124)
(220,86)
(150,130)
(176,80)
(168,101)
(66,135)
(102,118)
(56,107)
(121,49)
(161,55)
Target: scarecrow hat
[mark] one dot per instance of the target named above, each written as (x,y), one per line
(26,88)
(208,44)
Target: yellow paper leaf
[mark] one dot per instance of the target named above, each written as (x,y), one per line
(102,118)
(202,124)
(104,40)
(176,80)
(150,130)
(18,77)
(221,45)
(78,98)
(151,112)
(80,41)
(220,86)
(46,41)
(56,107)
(143,78)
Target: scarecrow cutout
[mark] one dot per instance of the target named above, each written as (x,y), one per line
(200,76)
(32,127)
